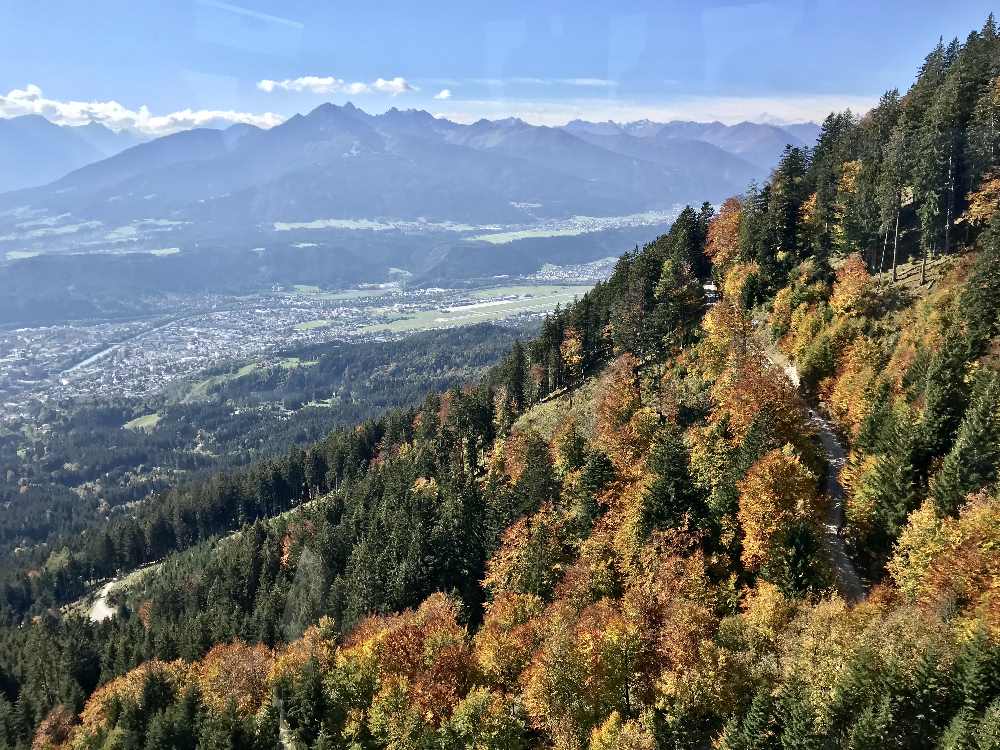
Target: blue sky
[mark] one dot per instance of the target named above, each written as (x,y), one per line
(160,66)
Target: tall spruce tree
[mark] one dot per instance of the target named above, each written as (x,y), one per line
(974,458)
(671,500)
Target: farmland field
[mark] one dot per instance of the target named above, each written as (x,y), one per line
(494,304)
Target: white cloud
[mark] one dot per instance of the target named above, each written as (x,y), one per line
(32,101)
(332,85)
(443,94)
(393,86)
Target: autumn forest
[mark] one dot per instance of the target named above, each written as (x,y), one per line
(741,495)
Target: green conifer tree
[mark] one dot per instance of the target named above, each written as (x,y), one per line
(974,458)
(797,721)
(987,735)
(671,500)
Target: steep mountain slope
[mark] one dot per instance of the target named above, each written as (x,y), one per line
(135,163)
(695,162)
(105,140)
(341,163)
(649,572)
(34,151)
(759,144)
(665,534)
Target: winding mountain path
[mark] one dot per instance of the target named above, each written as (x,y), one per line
(100,610)
(848,583)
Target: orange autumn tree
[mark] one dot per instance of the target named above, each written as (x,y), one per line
(670,594)
(722,243)
(853,291)
(54,730)
(949,566)
(623,652)
(752,388)
(428,655)
(236,672)
(777,491)
(624,426)
(984,202)
(571,351)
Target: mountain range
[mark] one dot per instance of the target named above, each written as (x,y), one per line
(34,151)
(757,143)
(338,162)
(341,196)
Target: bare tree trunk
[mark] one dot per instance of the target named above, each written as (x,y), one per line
(895,245)
(881,263)
(948,209)
(923,268)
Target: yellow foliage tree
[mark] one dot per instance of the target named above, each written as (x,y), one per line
(128,689)
(728,336)
(985,201)
(777,490)
(236,672)
(809,219)
(849,397)
(624,426)
(532,554)
(951,565)
(571,351)
(618,734)
(722,243)
(736,278)
(807,322)
(853,290)
(485,720)
(508,637)
(317,642)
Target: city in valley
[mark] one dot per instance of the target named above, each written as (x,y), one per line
(49,365)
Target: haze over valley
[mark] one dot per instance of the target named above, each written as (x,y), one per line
(338,197)
(185,252)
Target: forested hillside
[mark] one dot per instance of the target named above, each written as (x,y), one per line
(96,458)
(630,534)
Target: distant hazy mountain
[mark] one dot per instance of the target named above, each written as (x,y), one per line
(702,166)
(254,205)
(106,140)
(758,143)
(805,131)
(339,196)
(341,163)
(34,151)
